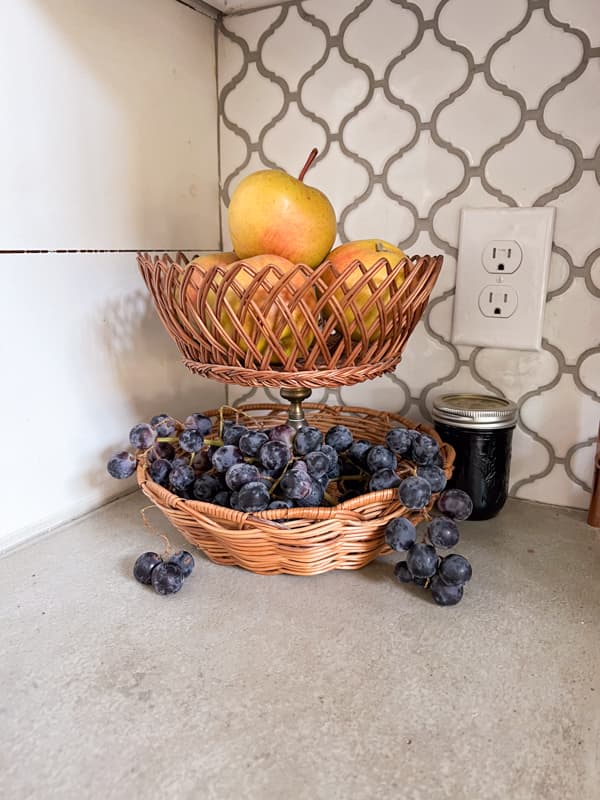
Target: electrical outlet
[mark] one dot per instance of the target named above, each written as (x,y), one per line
(502,277)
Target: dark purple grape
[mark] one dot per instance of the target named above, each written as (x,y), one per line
(331,454)
(414,492)
(191,440)
(167,578)
(300,465)
(339,437)
(185,562)
(222,499)
(380,457)
(239,474)
(251,442)
(182,478)
(317,463)
(201,462)
(280,504)
(160,471)
(399,440)
(442,532)
(142,436)
(205,488)
(233,432)
(455,569)
(121,465)
(455,503)
(233,500)
(424,450)
(443,594)
(358,452)
(283,433)
(252,497)
(422,560)
(307,439)
(274,455)
(182,461)
(334,472)
(422,582)
(434,476)
(323,480)
(400,534)
(162,450)
(314,496)
(296,484)
(384,479)
(402,573)
(200,423)
(164,425)
(225,457)
(142,569)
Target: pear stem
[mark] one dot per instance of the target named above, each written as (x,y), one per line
(311,157)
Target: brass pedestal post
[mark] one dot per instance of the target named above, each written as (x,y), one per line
(295,397)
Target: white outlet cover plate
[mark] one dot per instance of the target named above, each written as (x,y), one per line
(532,228)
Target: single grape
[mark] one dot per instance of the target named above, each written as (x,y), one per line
(434,476)
(253,496)
(199,422)
(400,534)
(307,439)
(222,499)
(162,450)
(339,437)
(442,532)
(414,492)
(167,578)
(160,471)
(402,573)
(384,479)
(438,460)
(380,457)
(455,569)
(182,478)
(180,462)
(331,454)
(295,484)
(251,442)
(164,425)
(358,452)
(423,450)
(399,440)
(121,465)
(300,465)
(233,432)
(282,433)
(443,594)
(314,496)
(224,457)
(422,560)
(201,462)
(142,569)
(185,562)
(239,474)
(455,503)
(317,463)
(142,436)
(205,488)
(274,455)
(280,504)
(233,501)
(191,440)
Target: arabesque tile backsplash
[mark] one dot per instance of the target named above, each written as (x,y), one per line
(421,109)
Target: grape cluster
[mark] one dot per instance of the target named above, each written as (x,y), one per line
(445,576)
(166,576)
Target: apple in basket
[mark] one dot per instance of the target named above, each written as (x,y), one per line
(203,263)
(273,212)
(368,252)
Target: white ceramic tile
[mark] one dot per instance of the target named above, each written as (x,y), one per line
(559,272)
(478,119)
(378,131)
(233,150)
(244,394)
(572,321)
(530,166)
(332,14)
(380,34)
(536,58)
(516,372)
(424,360)
(281,143)
(582,463)
(291,63)
(578,218)
(589,372)
(109,132)
(379,217)
(381,393)
(425,174)
(595,273)
(440,317)
(250,27)
(253,102)
(562,415)
(447,278)
(230,59)
(575,112)
(445,222)
(555,488)
(478,24)
(427,75)
(463,381)
(582,14)
(339,177)
(528,457)
(428,7)
(335,90)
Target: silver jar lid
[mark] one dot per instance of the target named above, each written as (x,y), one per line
(480,412)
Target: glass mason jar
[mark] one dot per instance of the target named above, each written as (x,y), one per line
(479,428)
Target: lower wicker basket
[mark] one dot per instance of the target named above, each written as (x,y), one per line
(296,541)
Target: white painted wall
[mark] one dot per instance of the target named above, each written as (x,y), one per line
(108,141)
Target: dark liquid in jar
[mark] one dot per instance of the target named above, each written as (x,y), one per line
(481,468)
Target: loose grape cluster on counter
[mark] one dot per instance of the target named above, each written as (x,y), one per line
(253,470)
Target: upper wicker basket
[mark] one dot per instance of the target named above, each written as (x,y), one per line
(317,340)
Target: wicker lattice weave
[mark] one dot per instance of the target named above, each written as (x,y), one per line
(297,541)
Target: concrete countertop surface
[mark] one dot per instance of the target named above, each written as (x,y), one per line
(340,686)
